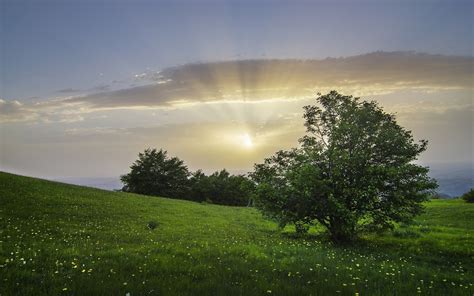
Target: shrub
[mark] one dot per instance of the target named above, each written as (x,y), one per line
(469,196)
(301,227)
(152,225)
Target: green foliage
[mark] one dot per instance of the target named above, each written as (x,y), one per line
(468,196)
(354,171)
(58,239)
(200,186)
(301,227)
(154,173)
(221,188)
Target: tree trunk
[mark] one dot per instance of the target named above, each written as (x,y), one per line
(342,231)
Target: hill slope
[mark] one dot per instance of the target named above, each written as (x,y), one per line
(65,239)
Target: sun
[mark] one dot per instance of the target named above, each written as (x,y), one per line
(247,141)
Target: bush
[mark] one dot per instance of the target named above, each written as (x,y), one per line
(469,196)
(301,227)
(152,225)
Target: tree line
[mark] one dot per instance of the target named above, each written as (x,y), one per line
(156,173)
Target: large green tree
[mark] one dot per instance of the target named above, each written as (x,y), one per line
(354,170)
(155,173)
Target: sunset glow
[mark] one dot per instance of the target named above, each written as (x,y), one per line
(219,90)
(247,141)
(237,147)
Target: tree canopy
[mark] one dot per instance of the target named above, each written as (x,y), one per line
(221,188)
(155,173)
(354,170)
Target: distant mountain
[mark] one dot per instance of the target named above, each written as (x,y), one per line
(107,183)
(453,179)
(442,195)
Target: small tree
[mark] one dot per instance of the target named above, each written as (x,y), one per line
(154,173)
(468,196)
(353,171)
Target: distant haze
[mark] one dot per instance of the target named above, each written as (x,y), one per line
(453,179)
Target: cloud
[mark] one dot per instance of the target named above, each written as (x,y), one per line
(257,80)
(281,80)
(48,111)
(96,131)
(68,90)
(11,111)
(148,75)
(102,87)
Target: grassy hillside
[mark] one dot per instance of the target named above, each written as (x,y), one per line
(65,239)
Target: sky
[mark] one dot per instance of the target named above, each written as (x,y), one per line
(86,85)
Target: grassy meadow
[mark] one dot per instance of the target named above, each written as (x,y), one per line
(58,239)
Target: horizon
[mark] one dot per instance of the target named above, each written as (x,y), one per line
(453,179)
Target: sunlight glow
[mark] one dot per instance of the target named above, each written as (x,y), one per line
(247,141)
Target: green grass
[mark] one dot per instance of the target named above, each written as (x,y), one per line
(64,239)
